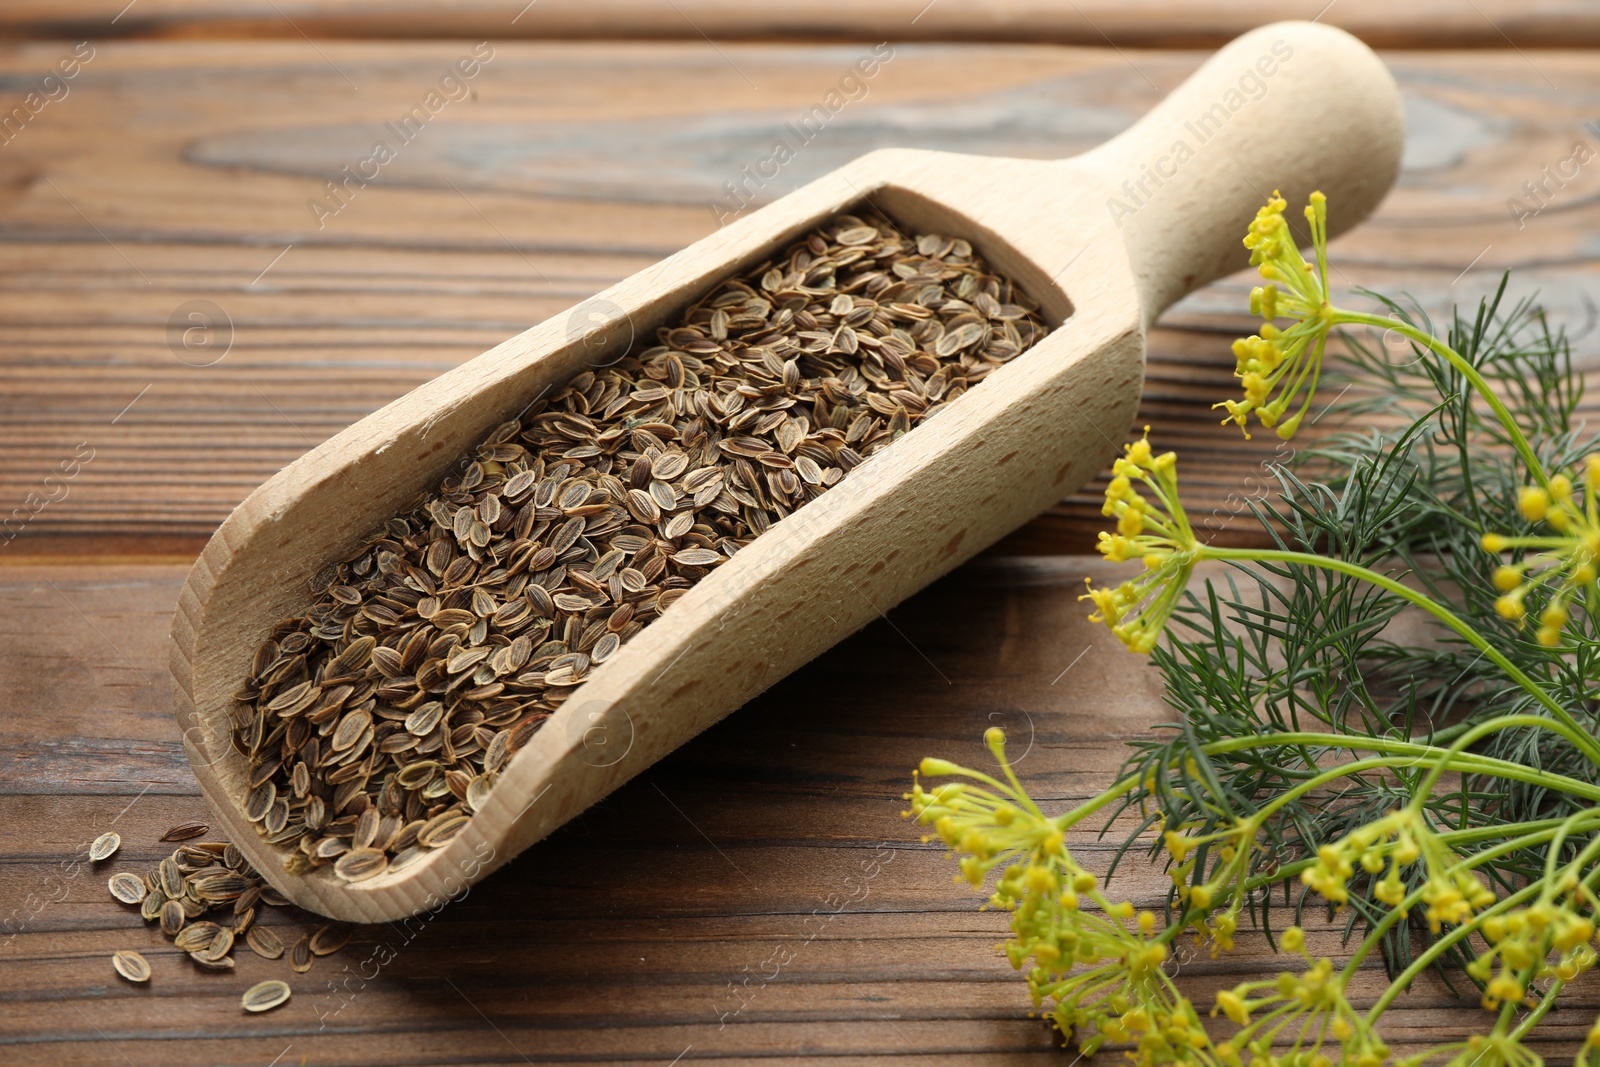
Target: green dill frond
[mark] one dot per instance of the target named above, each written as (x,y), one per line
(1419,473)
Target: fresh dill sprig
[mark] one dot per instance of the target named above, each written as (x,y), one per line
(1288,647)
(1388,710)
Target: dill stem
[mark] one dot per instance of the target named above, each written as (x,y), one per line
(1444,762)
(1289,796)
(1540,1010)
(1483,729)
(1467,762)
(1469,372)
(1440,946)
(1585,743)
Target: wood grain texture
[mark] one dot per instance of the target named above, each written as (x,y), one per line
(1494,24)
(617,940)
(177,172)
(638,932)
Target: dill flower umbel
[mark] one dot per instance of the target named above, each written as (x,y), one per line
(1389,845)
(1564,562)
(1100,960)
(1233,847)
(1520,944)
(1156,532)
(1308,1005)
(1277,366)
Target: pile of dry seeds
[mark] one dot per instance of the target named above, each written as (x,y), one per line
(203,878)
(377,721)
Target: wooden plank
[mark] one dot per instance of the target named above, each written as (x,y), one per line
(516,204)
(638,933)
(1494,24)
(634,854)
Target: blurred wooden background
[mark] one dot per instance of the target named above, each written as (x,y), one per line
(171,175)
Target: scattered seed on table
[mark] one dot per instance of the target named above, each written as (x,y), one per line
(131,965)
(196,936)
(103,846)
(221,944)
(184,831)
(264,943)
(247,901)
(128,888)
(212,878)
(221,963)
(170,875)
(172,917)
(264,996)
(300,956)
(330,939)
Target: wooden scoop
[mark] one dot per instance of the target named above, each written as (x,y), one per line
(1105,242)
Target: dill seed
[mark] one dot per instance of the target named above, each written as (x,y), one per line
(213,878)
(264,996)
(196,936)
(213,963)
(330,939)
(246,904)
(131,965)
(171,877)
(264,943)
(103,846)
(184,831)
(377,720)
(128,888)
(361,864)
(221,945)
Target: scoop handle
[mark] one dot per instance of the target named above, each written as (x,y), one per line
(1293,106)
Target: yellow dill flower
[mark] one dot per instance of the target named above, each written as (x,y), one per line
(1309,1006)
(1233,1006)
(1101,961)
(1453,896)
(1233,846)
(1276,365)
(1451,892)
(1156,531)
(1000,828)
(1565,562)
(1522,942)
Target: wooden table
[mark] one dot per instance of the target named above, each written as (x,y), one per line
(174,175)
